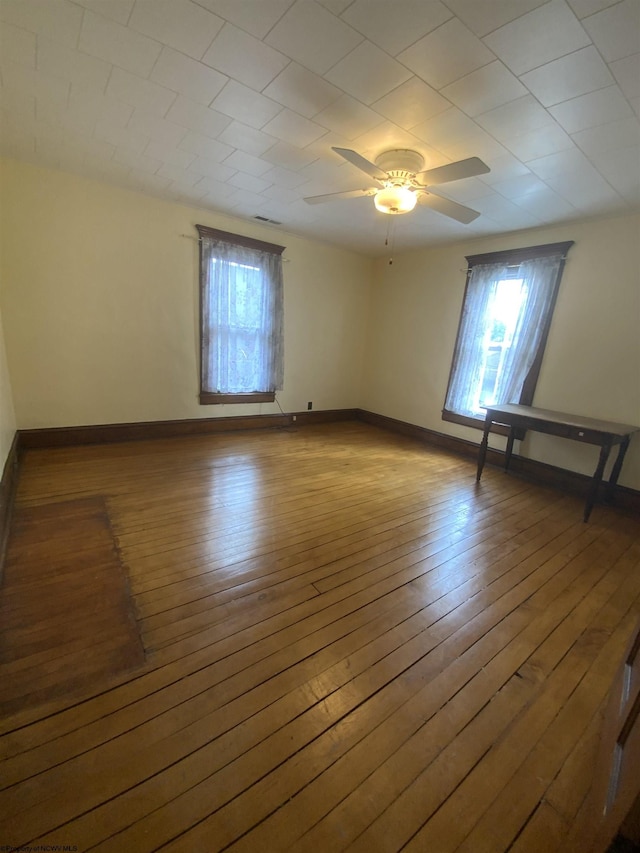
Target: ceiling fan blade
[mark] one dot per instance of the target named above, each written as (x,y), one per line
(468,168)
(362,163)
(318,199)
(449,208)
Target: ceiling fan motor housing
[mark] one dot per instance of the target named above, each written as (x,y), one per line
(401,164)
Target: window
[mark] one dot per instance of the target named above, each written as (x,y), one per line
(241,318)
(506,314)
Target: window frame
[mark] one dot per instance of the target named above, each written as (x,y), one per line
(209,398)
(512,258)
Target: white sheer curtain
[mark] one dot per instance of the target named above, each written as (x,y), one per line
(242,318)
(538,283)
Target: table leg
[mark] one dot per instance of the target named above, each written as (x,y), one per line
(483,446)
(597,478)
(509,450)
(617,467)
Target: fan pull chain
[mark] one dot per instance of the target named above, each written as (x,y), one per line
(391,237)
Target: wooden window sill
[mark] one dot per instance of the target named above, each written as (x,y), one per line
(208,398)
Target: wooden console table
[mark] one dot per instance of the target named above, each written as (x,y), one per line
(605,434)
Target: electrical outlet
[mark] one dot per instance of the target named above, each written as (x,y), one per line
(309,406)
(294,418)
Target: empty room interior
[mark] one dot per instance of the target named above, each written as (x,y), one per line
(320,425)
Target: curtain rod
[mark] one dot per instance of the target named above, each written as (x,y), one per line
(199,240)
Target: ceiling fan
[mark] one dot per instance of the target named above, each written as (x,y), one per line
(400,183)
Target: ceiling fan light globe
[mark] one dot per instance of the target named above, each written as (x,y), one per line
(395,200)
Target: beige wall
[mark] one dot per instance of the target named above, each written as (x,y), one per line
(100,301)
(7,416)
(592,360)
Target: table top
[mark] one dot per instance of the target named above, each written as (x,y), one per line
(548,416)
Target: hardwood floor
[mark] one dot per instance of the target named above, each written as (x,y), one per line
(348,644)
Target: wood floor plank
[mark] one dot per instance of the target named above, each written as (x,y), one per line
(348,643)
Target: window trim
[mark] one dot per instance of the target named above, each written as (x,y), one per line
(511,257)
(211,398)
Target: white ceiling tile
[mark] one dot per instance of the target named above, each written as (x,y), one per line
(244,202)
(616,31)
(539,143)
(480,144)
(211,169)
(519,187)
(582,8)
(302,91)
(545,204)
(335,6)
(169,155)
(621,171)
(197,117)
(246,105)
(591,110)
(556,165)
(484,16)
(121,137)
(446,54)
(312,36)
(465,191)
(247,163)
(573,75)
(411,19)
(348,117)
(504,168)
(284,177)
(117,44)
(254,16)
(505,212)
(627,73)
(624,133)
(156,128)
(103,110)
(147,182)
(251,183)
(514,118)
(30,82)
(118,10)
(586,189)
(17,45)
(58,60)
(244,58)
(411,103)
(546,33)
(246,138)
(388,136)
(136,161)
(205,146)
(281,194)
(288,156)
(187,76)
(177,174)
(484,89)
(447,128)
(139,93)
(17,109)
(178,23)
(59,21)
(368,73)
(294,128)
(216,188)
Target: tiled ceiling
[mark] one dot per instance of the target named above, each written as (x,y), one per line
(233,105)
